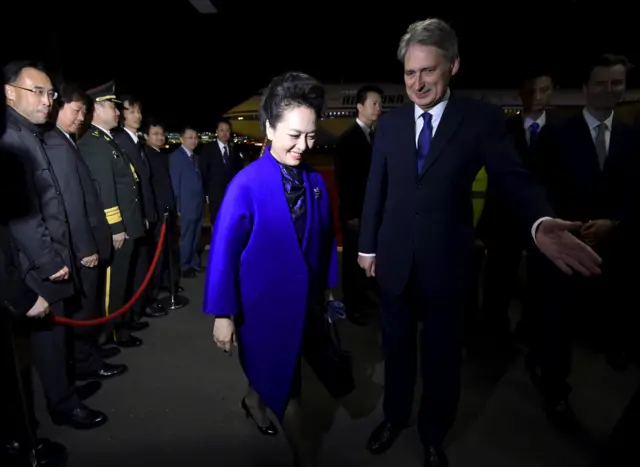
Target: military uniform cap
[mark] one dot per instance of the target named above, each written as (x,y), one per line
(104,93)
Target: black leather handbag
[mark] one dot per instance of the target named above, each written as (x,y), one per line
(322,349)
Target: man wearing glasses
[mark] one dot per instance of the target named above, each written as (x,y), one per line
(41,233)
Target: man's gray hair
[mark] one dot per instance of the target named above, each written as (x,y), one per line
(431,32)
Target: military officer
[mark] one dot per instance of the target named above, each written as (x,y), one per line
(118,185)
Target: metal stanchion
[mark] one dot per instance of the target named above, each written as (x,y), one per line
(173,301)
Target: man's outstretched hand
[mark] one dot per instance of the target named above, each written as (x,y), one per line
(555,240)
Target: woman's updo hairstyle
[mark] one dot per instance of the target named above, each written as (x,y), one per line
(288,91)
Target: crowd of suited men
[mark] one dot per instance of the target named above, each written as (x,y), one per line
(86,189)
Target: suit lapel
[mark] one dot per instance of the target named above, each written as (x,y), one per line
(449,123)
(112,142)
(520,136)
(405,132)
(71,144)
(616,144)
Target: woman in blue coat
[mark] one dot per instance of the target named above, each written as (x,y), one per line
(273,257)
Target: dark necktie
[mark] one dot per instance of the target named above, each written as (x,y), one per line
(143,155)
(192,159)
(534,132)
(601,144)
(225,155)
(372,135)
(424,140)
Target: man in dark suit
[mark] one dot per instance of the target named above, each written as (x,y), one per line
(90,233)
(16,302)
(155,139)
(220,161)
(498,228)
(352,163)
(591,175)
(128,140)
(417,234)
(118,185)
(188,192)
(43,238)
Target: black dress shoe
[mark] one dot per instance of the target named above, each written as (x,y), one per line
(87,390)
(138,325)
(128,341)
(50,454)
(270,430)
(47,453)
(383,437)
(357,318)
(561,415)
(617,360)
(109,352)
(108,370)
(436,458)
(154,312)
(80,418)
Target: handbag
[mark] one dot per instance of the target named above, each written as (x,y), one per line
(322,349)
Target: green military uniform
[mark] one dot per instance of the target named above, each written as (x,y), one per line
(117,184)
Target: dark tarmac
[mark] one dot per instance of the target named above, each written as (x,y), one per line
(179,405)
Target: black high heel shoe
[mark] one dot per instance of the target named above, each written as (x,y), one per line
(270,430)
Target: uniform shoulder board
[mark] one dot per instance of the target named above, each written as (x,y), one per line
(96,134)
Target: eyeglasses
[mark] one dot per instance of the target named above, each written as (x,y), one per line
(40,92)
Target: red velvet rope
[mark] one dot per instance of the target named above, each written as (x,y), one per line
(129,304)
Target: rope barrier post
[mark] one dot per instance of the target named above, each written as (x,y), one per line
(173,301)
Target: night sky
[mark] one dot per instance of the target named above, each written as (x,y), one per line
(190,68)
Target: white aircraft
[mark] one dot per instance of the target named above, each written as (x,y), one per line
(341,107)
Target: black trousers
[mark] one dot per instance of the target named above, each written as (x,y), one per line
(355,282)
(142,257)
(119,284)
(17,414)
(500,278)
(49,347)
(89,303)
(621,449)
(163,273)
(441,356)
(567,306)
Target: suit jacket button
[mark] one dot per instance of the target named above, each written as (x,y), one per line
(416,214)
(418,187)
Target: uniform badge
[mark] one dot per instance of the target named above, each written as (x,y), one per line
(317,192)
(115,154)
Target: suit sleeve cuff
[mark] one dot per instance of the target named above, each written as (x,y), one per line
(535,226)
(117,228)
(367,254)
(49,267)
